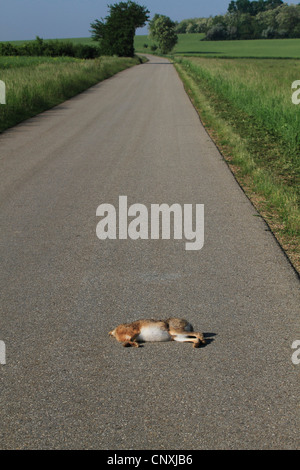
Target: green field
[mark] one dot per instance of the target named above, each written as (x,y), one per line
(191,45)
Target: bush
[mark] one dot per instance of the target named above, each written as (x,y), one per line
(39,47)
(6,48)
(162,29)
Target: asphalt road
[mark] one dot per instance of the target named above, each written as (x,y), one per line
(67,384)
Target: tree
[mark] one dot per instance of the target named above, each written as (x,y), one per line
(272,4)
(116,32)
(182,26)
(267,19)
(163,30)
(252,7)
(241,6)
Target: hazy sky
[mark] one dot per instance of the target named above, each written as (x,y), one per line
(25,19)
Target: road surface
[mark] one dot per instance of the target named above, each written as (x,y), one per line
(66,384)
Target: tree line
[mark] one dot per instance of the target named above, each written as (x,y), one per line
(52,48)
(245,19)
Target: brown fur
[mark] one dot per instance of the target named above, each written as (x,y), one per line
(172,329)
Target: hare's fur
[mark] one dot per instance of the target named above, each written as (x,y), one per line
(172,329)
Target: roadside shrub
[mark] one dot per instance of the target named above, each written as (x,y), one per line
(84,51)
(6,48)
(39,47)
(162,29)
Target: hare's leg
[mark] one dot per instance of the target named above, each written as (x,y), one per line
(194,334)
(191,334)
(187,338)
(131,342)
(199,336)
(182,327)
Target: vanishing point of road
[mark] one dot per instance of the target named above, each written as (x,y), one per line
(66,384)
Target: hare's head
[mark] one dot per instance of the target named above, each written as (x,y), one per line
(112,332)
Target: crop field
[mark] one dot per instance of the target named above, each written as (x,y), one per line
(246,105)
(192,45)
(34,84)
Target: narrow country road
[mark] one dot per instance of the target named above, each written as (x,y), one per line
(66,384)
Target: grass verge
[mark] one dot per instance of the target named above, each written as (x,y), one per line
(247,110)
(35,84)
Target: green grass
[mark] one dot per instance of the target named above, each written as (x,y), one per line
(191,44)
(13,62)
(259,48)
(262,91)
(35,84)
(246,106)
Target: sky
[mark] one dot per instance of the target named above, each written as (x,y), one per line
(50,19)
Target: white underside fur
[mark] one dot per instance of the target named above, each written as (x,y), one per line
(153,333)
(180,337)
